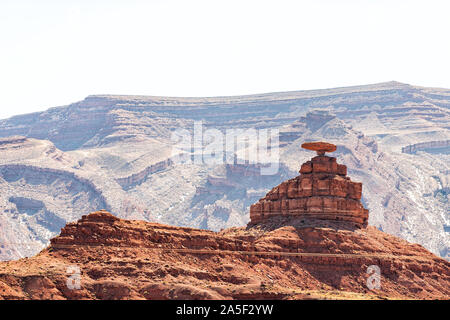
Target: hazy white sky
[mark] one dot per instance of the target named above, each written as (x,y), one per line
(57,52)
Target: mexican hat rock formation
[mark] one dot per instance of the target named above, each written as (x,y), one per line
(321,191)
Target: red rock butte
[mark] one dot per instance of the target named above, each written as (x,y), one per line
(321,191)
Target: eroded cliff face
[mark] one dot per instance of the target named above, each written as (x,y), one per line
(121,146)
(277,259)
(432,146)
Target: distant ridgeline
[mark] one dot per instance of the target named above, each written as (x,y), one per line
(423,146)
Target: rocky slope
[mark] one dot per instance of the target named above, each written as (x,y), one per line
(121,259)
(430,146)
(115,153)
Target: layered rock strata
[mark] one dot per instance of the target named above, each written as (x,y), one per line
(123,259)
(321,191)
(413,148)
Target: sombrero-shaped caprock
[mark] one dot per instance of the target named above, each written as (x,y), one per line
(320,147)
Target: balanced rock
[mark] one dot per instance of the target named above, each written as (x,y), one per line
(319,147)
(321,191)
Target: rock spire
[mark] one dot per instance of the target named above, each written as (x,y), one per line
(321,191)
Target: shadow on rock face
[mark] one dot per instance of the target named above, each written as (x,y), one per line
(301,223)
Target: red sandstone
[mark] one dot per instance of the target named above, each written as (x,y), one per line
(322,191)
